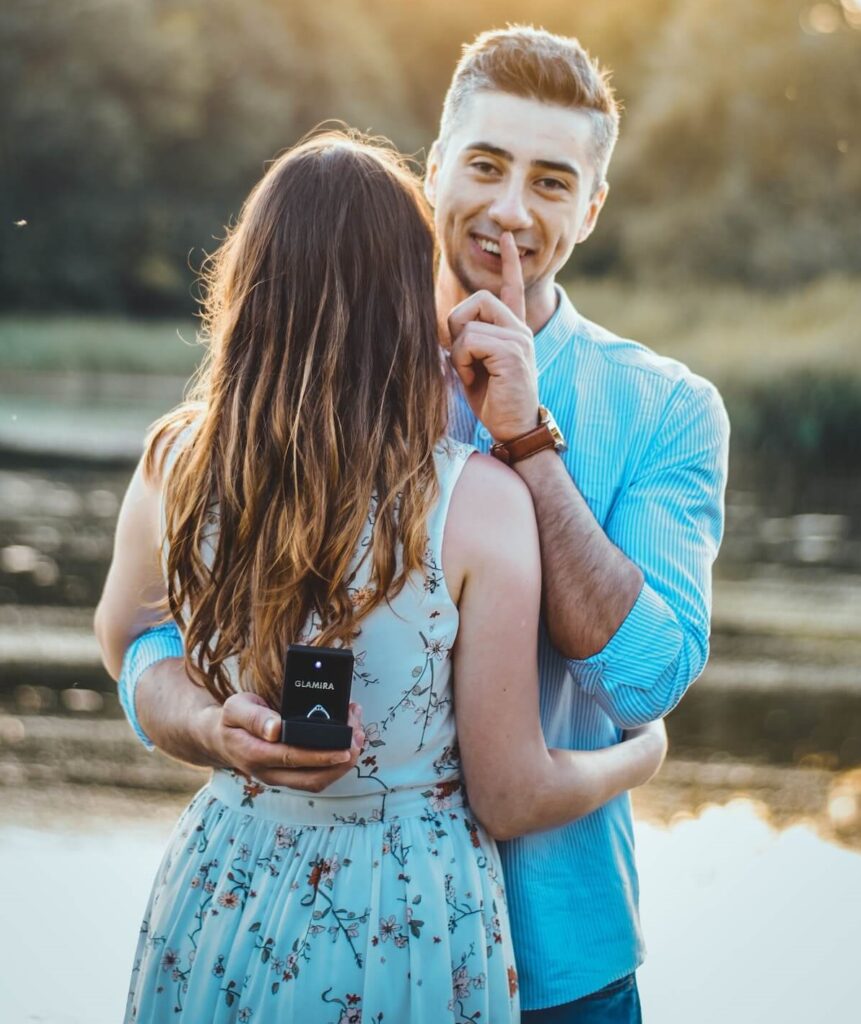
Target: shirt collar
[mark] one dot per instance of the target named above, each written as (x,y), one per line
(557,332)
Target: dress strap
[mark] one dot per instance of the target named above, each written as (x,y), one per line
(182,439)
(451,456)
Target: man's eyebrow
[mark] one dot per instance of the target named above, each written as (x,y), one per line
(503,154)
(486,147)
(557,165)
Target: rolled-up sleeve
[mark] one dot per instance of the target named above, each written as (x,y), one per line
(155,645)
(669,522)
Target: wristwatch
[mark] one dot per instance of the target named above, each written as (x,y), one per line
(545,436)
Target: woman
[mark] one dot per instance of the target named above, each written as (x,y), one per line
(310,495)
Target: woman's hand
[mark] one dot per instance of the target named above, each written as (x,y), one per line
(652,740)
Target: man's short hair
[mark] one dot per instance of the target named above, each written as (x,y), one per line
(536,64)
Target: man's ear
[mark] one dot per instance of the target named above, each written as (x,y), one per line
(596,204)
(432,172)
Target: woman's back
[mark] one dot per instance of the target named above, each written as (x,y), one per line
(403,670)
(379,899)
(402,675)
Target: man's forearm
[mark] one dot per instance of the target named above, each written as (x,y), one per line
(589,586)
(176,713)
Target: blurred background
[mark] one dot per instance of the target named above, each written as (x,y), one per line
(130,132)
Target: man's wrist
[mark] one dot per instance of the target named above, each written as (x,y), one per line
(537,465)
(542,435)
(516,431)
(206,732)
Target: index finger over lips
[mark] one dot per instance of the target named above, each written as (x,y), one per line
(512,292)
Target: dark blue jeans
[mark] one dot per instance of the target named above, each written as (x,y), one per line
(618,1003)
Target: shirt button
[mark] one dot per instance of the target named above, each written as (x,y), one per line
(484,433)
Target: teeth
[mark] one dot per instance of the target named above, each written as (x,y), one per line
(488,246)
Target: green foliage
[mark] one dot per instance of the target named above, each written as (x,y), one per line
(136,130)
(806,422)
(133,130)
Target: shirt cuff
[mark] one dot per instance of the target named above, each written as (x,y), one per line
(646,643)
(155,645)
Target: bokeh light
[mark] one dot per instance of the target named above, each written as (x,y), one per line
(821,18)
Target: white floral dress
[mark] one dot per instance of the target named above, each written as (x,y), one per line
(380,900)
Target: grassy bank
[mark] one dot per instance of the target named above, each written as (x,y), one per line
(727,334)
(734,335)
(789,364)
(97,345)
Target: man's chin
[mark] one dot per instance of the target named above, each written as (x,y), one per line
(470,284)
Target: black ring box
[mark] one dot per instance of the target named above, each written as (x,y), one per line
(315,697)
(316,734)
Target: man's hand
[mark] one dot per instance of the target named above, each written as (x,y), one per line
(185,722)
(493,352)
(244,735)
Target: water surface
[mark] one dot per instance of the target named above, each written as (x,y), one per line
(745,923)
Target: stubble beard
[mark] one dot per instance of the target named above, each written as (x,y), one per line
(469,286)
(466,283)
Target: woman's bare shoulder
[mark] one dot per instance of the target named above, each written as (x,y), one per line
(491,510)
(167,437)
(487,485)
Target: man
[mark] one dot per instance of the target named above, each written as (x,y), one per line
(630,514)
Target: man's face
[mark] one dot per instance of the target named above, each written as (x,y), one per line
(519,165)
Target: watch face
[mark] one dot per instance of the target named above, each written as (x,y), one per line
(549,421)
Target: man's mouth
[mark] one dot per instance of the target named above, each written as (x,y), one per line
(491,246)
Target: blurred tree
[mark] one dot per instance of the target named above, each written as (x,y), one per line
(131,130)
(741,156)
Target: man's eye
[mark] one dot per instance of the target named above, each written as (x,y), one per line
(483,167)
(553,184)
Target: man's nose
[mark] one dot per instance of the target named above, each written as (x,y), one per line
(510,211)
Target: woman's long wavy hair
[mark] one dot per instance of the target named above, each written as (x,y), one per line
(318,405)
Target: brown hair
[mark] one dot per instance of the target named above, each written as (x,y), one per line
(318,407)
(537,64)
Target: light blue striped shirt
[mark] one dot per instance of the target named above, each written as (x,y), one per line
(648,445)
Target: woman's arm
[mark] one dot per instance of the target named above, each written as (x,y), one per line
(515,784)
(135,590)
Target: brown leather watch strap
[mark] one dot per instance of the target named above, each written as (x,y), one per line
(519,448)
